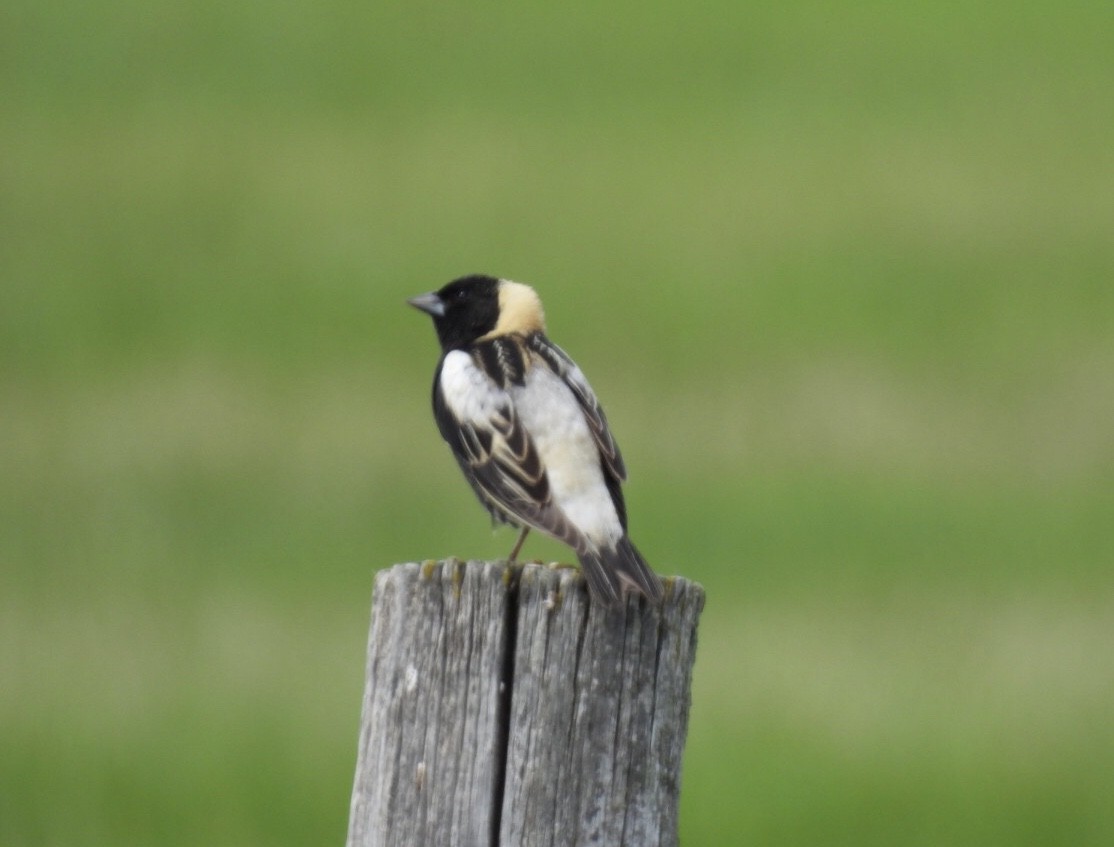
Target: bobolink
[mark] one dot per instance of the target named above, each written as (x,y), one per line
(528,432)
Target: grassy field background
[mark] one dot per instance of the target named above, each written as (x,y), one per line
(844,278)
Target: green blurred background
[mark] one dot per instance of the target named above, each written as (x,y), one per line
(843,276)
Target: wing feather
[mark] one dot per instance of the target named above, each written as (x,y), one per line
(477,418)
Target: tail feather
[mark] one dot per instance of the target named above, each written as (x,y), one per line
(613,572)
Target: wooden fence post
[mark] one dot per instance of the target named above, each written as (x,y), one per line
(502,708)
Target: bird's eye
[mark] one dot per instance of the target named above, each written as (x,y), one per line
(460,295)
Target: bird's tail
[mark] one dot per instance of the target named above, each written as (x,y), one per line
(613,572)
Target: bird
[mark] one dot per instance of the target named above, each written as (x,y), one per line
(528,432)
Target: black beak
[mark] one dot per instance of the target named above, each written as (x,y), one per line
(429,303)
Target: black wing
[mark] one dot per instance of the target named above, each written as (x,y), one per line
(494,450)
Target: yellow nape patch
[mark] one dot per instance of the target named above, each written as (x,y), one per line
(520,310)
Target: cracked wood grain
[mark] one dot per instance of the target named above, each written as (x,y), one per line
(502,707)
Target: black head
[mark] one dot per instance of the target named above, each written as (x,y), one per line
(462,311)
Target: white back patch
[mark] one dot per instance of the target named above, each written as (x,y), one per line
(550,413)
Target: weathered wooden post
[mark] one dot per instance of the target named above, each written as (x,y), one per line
(503,708)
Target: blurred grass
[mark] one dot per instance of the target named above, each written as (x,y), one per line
(842,277)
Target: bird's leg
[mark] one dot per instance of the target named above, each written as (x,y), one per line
(518,544)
